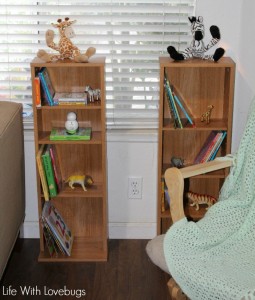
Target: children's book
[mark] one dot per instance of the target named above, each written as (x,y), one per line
(60,134)
(71,97)
(205,147)
(58,227)
(56,167)
(42,173)
(49,172)
(47,86)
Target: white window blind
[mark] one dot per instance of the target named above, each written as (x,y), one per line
(131,34)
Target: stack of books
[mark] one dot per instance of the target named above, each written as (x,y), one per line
(210,147)
(58,236)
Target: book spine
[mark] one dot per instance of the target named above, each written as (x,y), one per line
(49,173)
(211,147)
(37,92)
(204,148)
(42,175)
(45,88)
(217,149)
(183,110)
(56,169)
(172,105)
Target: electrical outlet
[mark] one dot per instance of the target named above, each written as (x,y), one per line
(135,185)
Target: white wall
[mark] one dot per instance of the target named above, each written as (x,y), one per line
(135,154)
(236,22)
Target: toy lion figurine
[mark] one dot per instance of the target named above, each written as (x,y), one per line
(65,47)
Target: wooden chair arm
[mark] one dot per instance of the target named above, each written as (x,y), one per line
(174,179)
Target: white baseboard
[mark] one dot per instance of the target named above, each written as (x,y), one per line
(132,230)
(116,230)
(29,230)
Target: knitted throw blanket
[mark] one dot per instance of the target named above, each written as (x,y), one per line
(215,257)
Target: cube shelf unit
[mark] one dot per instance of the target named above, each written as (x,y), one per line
(84,212)
(200,83)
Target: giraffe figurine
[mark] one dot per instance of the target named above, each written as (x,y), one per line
(206,116)
(65,47)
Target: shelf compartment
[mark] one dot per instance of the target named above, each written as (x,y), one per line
(83,250)
(186,145)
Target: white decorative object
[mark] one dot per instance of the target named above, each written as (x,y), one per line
(71,123)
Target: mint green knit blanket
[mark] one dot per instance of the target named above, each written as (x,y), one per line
(215,257)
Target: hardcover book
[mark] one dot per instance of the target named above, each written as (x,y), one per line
(56,167)
(49,172)
(42,173)
(60,134)
(58,227)
(70,97)
(47,86)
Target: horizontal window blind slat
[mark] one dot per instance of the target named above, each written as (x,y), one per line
(131,34)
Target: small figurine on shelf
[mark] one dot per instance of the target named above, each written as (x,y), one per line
(83,180)
(206,116)
(71,123)
(93,95)
(197,199)
(177,162)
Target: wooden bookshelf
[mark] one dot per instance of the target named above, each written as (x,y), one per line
(201,83)
(84,212)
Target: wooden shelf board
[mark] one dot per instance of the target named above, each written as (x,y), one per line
(215,124)
(95,191)
(67,63)
(222,63)
(44,138)
(83,250)
(94,105)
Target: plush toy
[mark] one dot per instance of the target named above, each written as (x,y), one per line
(65,47)
(197,47)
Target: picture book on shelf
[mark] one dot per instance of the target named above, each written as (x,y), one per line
(49,172)
(172,105)
(50,242)
(42,173)
(62,98)
(47,86)
(182,105)
(57,227)
(60,134)
(37,90)
(56,167)
(210,147)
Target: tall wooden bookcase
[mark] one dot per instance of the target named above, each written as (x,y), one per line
(201,83)
(84,212)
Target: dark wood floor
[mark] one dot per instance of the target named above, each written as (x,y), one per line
(128,275)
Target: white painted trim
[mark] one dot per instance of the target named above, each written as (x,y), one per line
(132,135)
(29,230)
(132,230)
(116,230)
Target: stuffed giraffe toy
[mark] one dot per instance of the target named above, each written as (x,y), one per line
(65,47)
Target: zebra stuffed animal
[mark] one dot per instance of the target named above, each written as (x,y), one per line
(197,47)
